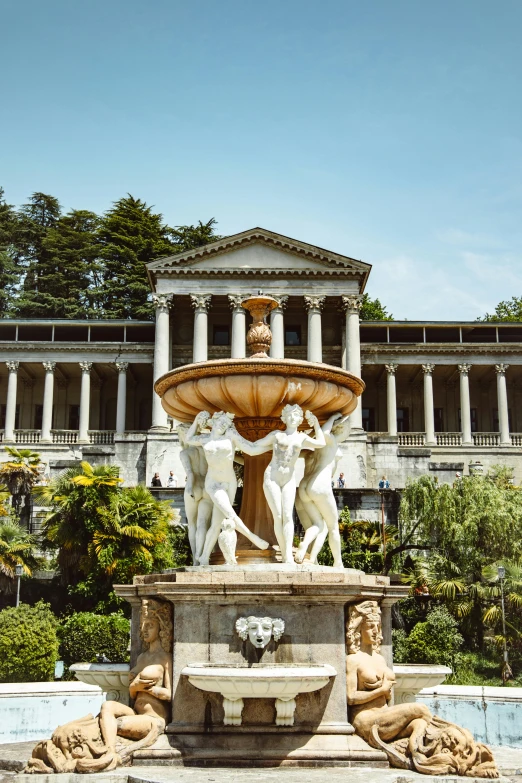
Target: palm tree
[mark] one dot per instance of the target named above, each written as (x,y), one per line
(20,475)
(73,499)
(16,548)
(132,527)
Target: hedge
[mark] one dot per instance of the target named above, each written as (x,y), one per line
(28,643)
(85,636)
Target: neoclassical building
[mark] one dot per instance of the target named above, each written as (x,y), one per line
(439,395)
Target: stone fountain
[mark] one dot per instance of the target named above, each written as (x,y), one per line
(257,655)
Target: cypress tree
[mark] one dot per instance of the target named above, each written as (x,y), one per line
(68,285)
(34,220)
(8,267)
(131,235)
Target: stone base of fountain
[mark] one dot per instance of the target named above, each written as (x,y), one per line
(226,708)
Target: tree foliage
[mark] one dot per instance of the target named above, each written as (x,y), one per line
(436,640)
(84,265)
(104,533)
(85,637)
(20,475)
(508,310)
(373,310)
(28,643)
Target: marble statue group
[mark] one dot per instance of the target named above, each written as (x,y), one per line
(210,447)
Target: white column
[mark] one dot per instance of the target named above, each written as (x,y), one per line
(391,399)
(314,305)
(352,305)
(47,413)
(121,403)
(10,408)
(429,414)
(277,326)
(465,405)
(503,414)
(238,341)
(85,402)
(162,303)
(201,305)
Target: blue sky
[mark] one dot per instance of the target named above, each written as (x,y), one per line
(388,130)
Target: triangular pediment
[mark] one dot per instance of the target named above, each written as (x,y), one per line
(259,250)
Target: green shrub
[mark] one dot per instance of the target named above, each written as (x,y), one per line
(400,646)
(85,635)
(28,643)
(436,640)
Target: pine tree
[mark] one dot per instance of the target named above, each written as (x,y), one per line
(189,237)
(68,285)
(34,220)
(8,267)
(131,235)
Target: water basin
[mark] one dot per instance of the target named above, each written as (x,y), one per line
(280,682)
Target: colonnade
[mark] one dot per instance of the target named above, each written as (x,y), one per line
(465,407)
(201,303)
(47,412)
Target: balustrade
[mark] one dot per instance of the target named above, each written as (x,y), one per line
(448,438)
(412,438)
(486,438)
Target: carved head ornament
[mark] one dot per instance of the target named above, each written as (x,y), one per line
(260,629)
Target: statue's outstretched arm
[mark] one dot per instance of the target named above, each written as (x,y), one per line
(257,447)
(319,441)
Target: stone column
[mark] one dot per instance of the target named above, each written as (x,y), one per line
(314,305)
(10,408)
(47,413)
(162,303)
(277,325)
(352,305)
(503,414)
(391,399)
(238,346)
(465,406)
(85,402)
(201,305)
(121,403)
(429,414)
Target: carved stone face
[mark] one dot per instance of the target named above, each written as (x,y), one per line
(150,629)
(259,630)
(370,632)
(292,415)
(221,424)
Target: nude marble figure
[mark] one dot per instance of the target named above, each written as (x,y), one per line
(315,502)
(220,482)
(409,734)
(198,505)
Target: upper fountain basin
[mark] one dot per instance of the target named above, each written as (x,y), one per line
(257,388)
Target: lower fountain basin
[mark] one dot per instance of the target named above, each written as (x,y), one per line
(410,678)
(113,678)
(279,682)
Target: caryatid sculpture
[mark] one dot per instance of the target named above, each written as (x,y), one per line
(221,483)
(91,744)
(315,501)
(409,734)
(279,482)
(198,505)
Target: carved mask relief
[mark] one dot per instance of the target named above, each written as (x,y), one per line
(259,630)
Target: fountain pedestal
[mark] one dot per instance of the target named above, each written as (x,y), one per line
(312,601)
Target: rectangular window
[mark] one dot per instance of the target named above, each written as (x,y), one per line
(368,419)
(474,420)
(38,413)
(221,335)
(74,417)
(438,414)
(403,419)
(496,423)
(2,417)
(292,335)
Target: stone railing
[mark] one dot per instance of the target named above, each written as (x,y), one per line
(27,436)
(64,436)
(448,438)
(516,438)
(101,437)
(412,438)
(61,437)
(486,438)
